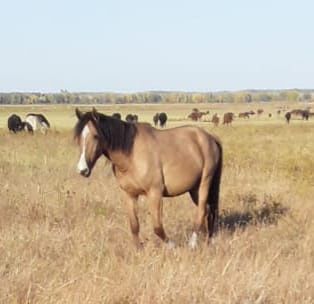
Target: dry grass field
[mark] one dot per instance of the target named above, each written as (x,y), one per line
(65,239)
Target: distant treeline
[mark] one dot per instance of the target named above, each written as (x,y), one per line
(65,97)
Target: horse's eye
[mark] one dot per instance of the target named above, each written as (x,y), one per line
(96,136)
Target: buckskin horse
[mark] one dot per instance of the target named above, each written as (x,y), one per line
(154,163)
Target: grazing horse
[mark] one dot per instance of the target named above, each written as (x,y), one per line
(215,120)
(155,163)
(194,116)
(228,118)
(15,123)
(303,113)
(288,117)
(296,112)
(161,118)
(260,111)
(197,115)
(156,119)
(38,122)
(131,118)
(244,115)
(306,114)
(116,115)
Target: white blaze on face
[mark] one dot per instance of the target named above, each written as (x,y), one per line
(82,164)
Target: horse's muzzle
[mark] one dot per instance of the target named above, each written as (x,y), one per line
(86,172)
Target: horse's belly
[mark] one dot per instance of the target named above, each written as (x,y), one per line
(33,122)
(181,180)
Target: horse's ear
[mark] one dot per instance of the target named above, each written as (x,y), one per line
(95,115)
(78,113)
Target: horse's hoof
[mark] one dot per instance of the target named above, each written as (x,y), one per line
(170,245)
(193,241)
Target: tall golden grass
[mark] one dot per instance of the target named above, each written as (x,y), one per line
(65,239)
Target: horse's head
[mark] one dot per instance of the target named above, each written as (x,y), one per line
(88,137)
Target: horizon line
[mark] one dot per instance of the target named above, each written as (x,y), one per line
(61,91)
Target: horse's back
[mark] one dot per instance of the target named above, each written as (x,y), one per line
(37,121)
(180,155)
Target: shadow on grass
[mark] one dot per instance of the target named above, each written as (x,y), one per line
(254,213)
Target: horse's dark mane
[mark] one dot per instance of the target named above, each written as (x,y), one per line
(117,134)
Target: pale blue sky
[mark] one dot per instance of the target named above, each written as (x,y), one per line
(137,45)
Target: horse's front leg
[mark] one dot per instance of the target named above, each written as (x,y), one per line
(156,206)
(133,219)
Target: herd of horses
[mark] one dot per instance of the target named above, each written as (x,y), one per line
(32,122)
(37,121)
(153,162)
(229,117)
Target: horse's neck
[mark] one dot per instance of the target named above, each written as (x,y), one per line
(119,160)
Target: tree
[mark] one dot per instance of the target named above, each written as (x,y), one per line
(248,98)
(307,96)
(292,95)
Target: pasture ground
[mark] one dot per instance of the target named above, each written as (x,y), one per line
(65,239)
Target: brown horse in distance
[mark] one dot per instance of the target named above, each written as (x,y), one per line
(304,114)
(131,118)
(160,118)
(154,163)
(244,115)
(215,120)
(288,117)
(228,118)
(197,115)
(116,115)
(156,119)
(260,112)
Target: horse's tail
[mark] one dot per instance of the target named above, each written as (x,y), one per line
(213,195)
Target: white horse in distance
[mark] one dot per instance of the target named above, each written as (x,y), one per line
(38,122)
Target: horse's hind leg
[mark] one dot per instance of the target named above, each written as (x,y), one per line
(212,219)
(195,197)
(201,211)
